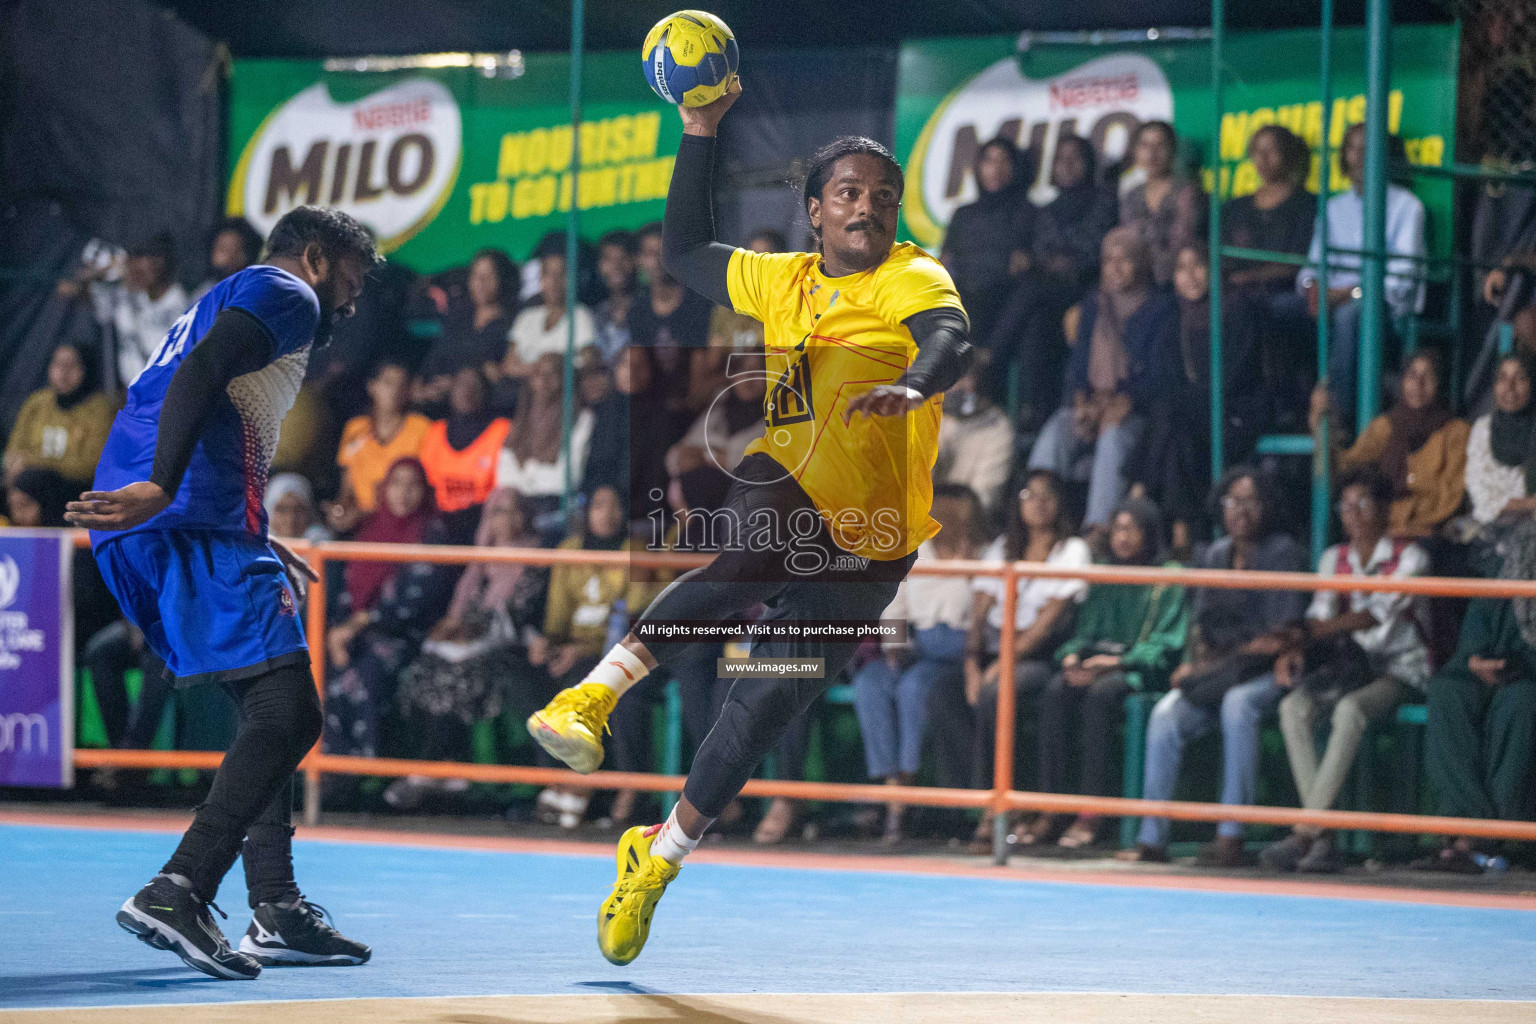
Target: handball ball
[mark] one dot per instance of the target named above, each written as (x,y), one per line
(689,58)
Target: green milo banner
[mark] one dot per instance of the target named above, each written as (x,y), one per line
(442,161)
(955,94)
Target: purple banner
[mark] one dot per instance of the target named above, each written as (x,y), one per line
(37,659)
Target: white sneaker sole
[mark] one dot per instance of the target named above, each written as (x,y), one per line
(269,956)
(578,756)
(161,936)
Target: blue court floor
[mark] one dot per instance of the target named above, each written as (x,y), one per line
(452,922)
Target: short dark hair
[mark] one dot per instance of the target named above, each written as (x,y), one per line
(647,230)
(975,515)
(1376,483)
(819,169)
(338,235)
(1295,154)
(507,284)
(618,237)
(775,238)
(160,246)
(1263,483)
(250,238)
(384,362)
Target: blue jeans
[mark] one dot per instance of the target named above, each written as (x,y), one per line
(1096,463)
(892,704)
(1176,722)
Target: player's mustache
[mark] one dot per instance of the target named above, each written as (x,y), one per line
(863,225)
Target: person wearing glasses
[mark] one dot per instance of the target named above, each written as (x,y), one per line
(1237,633)
(1362,654)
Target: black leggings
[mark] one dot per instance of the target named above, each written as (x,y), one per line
(248,808)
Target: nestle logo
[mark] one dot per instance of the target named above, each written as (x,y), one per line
(393,115)
(1093,91)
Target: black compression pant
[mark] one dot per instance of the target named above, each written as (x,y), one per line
(248,808)
(758,711)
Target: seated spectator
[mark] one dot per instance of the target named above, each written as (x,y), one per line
(1482,711)
(473,337)
(730,333)
(1166,209)
(585,604)
(1173,463)
(373,442)
(975,444)
(1227,678)
(1060,267)
(382,614)
(720,435)
(542,330)
(63,427)
(616,267)
(1038,531)
(1278,216)
(109,654)
(532,460)
(892,692)
(233,245)
(1404,286)
(672,322)
(1125,340)
(1362,655)
(1501,448)
(290,505)
(460,453)
(1127,640)
(631,435)
(135,296)
(1418,444)
(988,240)
(477,655)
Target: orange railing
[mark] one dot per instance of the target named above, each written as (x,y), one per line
(1001,798)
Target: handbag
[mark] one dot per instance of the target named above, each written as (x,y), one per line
(1334,668)
(1207,687)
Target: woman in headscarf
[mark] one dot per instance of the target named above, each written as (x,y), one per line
(290,505)
(531,462)
(63,426)
(472,336)
(1166,210)
(1173,463)
(984,235)
(1128,639)
(1127,337)
(1060,265)
(459,454)
(1482,711)
(1418,444)
(1501,449)
(484,641)
(386,610)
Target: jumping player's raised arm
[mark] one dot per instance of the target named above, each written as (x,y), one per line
(688,246)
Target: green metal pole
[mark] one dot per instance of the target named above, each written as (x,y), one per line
(1378,18)
(1322,486)
(1218,415)
(568,403)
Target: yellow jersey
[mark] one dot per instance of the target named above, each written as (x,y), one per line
(828,339)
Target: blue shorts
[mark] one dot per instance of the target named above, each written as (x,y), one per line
(217,607)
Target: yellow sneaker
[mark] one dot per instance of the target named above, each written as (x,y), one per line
(624,921)
(571,726)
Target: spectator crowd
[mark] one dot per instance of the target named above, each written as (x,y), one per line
(1081,436)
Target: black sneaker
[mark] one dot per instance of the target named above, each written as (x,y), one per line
(168,916)
(299,936)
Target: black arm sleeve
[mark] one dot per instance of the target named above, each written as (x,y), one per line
(688,247)
(943,350)
(237,343)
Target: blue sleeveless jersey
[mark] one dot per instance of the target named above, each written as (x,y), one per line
(225,481)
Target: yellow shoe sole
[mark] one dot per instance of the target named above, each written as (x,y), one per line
(580,753)
(633,915)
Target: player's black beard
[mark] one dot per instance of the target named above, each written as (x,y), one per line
(323,330)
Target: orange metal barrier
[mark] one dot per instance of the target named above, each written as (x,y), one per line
(1000,799)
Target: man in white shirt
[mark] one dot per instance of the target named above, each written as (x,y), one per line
(134,296)
(1384,626)
(541,330)
(1404,285)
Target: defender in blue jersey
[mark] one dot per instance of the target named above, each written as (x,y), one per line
(179,531)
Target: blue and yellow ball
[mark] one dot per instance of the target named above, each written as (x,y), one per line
(689,58)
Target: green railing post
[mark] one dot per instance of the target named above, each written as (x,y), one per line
(1322,486)
(1218,416)
(1378,18)
(572,224)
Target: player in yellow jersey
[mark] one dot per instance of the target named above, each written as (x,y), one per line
(827,509)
